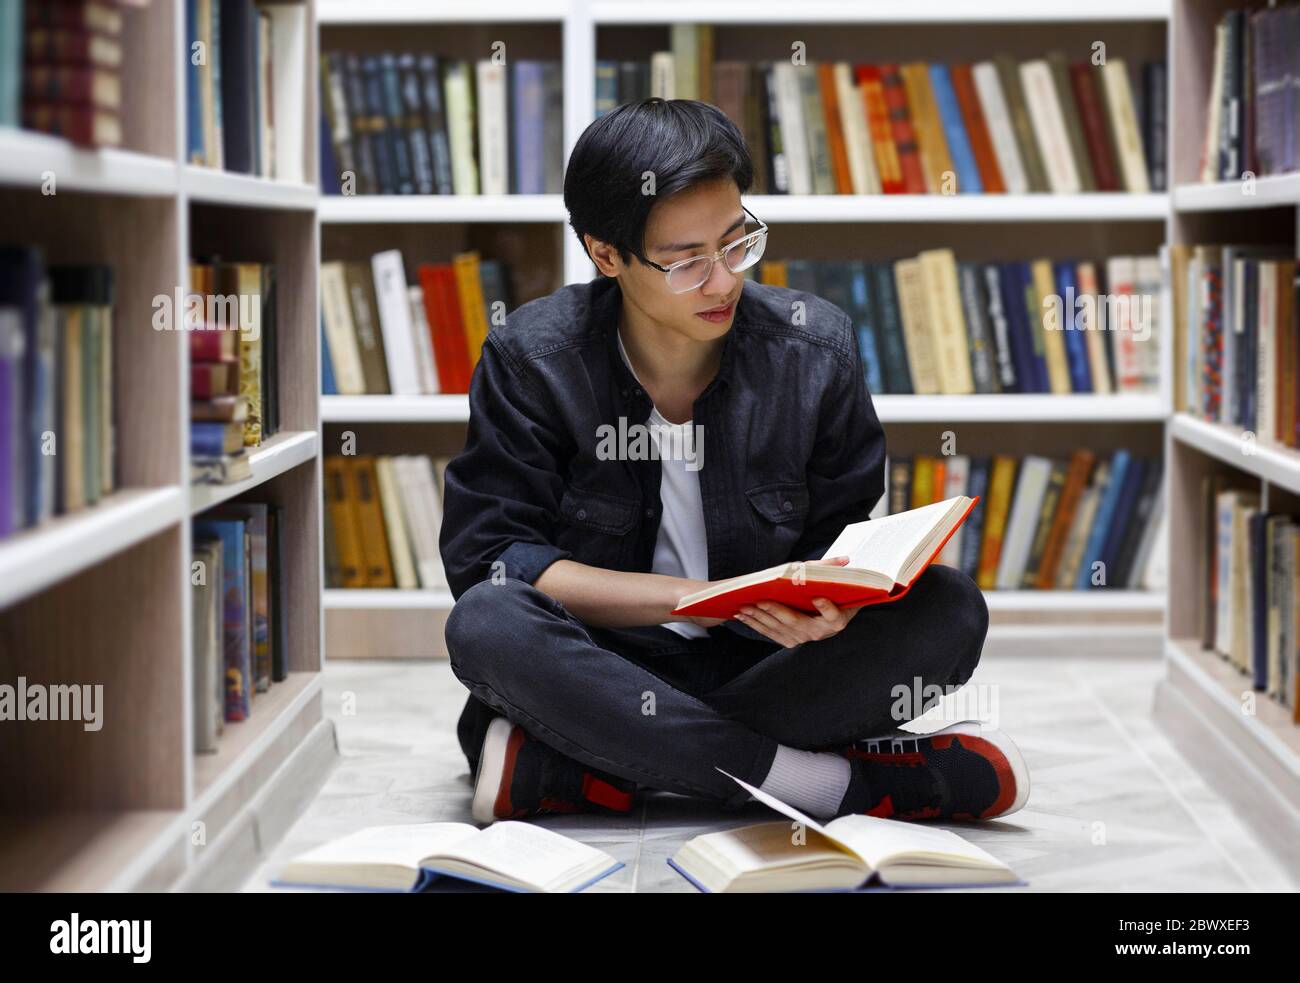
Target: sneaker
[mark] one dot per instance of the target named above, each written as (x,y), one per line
(519,776)
(966,771)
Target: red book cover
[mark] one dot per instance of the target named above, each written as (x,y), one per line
(882,131)
(900,119)
(442,309)
(981,144)
(1104,167)
(213,344)
(800,596)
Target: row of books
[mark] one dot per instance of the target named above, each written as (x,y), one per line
(57,406)
(1252,116)
(65,58)
(234,367)
(422,123)
(1238,312)
(238,619)
(383,334)
(931,324)
(1250,589)
(382,519)
(244,84)
(1042,523)
(1043,125)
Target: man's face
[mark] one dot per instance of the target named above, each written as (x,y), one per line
(697,221)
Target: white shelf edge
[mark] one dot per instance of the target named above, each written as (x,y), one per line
(1274,191)
(211,186)
(278,455)
(1277,465)
(33,559)
(340,209)
(377,599)
(26,158)
(454,408)
(329,12)
(843,12)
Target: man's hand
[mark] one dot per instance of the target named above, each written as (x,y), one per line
(789,627)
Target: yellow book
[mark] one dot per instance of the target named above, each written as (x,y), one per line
(932,145)
(250,349)
(473,309)
(922,481)
(995,520)
(773,273)
(1053,334)
(917,336)
(947,322)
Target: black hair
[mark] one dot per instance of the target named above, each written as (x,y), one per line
(683,142)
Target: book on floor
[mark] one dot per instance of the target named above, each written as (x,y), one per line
(886,556)
(850,853)
(511,856)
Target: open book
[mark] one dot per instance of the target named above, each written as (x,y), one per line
(855,852)
(512,856)
(886,556)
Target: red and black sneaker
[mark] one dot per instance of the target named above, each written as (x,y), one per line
(519,776)
(967,771)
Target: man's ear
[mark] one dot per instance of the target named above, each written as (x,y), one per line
(604,255)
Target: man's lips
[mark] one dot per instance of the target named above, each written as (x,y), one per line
(717,310)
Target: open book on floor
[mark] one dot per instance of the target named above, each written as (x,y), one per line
(512,856)
(852,853)
(886,556)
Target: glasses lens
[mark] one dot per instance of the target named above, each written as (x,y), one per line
(745,252)
(690,275)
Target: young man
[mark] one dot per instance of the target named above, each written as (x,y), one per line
(665,425)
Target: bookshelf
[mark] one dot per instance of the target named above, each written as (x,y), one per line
(102,595)
(1251,757)
(364,622)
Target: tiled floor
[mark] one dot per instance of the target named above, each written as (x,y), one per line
(1114,806)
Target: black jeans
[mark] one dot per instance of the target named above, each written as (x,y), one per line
(649,706)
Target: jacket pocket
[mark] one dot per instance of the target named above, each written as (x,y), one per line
(781,502)
(598,511)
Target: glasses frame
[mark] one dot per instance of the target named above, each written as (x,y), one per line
(755,236)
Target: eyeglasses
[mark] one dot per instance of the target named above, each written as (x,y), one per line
(687,274)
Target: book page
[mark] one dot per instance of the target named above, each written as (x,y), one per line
(880,841)
(403,845)
(525,852)
(886,545)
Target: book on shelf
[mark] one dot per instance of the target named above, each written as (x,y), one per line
(934,325)
(1252,115)
(427,123)
(58,435)
(239,617)
(230,324)
(999,125)
(244,87)
(855,852)
(1043,523)
(885,557)
(1250,589)
(419,857)
(387,333)
(382,520)
(1236,322)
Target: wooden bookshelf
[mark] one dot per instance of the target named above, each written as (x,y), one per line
(1252,758)
(102,595)
(361,623)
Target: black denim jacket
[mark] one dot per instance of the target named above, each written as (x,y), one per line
(792,450)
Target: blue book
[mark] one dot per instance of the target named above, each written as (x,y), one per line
(1260,561)
(208,438)
(329,167)
(529,137)
(1121,523)
(954,131)
(1102,520)
(864,313)
(1076,343)
(1022,345)
(236,611)
(328,387)
(194,150)
(972,537)
(889,330)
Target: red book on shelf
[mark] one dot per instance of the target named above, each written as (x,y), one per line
(886,556)
(213,343)
(1102,155)
(446,327)
(900,121)
(882,131)
(981,144)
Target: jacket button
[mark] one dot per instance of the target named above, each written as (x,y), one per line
(649,513)
(582,513)
(787,505)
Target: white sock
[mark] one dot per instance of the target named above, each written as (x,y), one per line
(812,781)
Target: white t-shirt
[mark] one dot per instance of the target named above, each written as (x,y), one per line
(681,548)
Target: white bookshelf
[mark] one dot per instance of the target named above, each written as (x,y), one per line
(891,225)
(102,595)
(1251,755)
